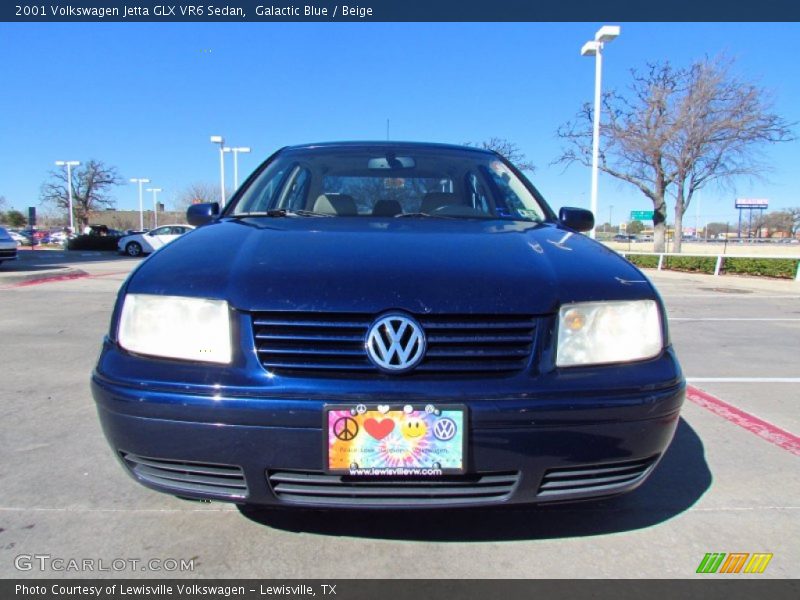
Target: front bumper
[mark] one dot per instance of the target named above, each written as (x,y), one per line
(267,448)
(8,251)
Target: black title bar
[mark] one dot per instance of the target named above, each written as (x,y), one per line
(400,10)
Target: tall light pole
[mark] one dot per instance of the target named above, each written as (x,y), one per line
(595,48)
(155,205)
(141,209)
(69,164)
(218,139)
(244,150)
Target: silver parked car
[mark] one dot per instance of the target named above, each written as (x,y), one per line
(8,246)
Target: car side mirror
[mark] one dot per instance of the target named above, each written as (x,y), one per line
(202,214)
(578,219)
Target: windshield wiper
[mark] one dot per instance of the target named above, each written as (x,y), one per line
(424,214)
(281,212)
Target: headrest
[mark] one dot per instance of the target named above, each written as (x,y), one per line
(336,204)
(386,208)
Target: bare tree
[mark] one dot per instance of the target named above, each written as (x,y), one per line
(773,222)
(508,150)
(195,193)
(795,214)
(91,186)
(722,124)
(715,228)
(677,130)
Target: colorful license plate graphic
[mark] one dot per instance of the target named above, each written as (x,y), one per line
(395,440)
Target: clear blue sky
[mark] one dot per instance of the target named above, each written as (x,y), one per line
(146,97)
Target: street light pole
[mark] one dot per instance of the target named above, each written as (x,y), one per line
(141,208)
(69,164)
(218,139)
(155,205)
(595,48)
(243,149)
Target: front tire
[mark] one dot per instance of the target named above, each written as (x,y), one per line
(133,249)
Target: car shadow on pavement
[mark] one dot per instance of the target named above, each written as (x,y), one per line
(678,482)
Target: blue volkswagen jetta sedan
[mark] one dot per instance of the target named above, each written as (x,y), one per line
(388,325)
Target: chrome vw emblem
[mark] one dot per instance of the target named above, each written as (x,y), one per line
(396,343)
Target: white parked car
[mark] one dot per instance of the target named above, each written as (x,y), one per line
(59,237)
(20,239)
(144,243)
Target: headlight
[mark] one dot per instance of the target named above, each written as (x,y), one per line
(176,327)
(608,332)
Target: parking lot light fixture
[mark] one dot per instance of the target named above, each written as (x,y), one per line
(236,151)
(594,48)
(141,209)
(218,139)
(155,204)
(69,164)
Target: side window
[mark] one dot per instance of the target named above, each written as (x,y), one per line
(260,196)
(477,195)
(296,190)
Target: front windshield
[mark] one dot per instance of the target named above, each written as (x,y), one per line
(387,182)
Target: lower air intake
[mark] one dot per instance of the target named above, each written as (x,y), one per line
(189,477)
(301,487)
(594,479)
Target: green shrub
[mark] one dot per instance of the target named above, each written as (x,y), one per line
(643,261)
(784,268)
(692,264)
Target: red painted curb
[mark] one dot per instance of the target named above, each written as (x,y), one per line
(47,279)
(763,429)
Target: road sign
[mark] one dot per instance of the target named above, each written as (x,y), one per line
(641,215)
(752,203)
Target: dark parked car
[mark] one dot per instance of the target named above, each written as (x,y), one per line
(388,325)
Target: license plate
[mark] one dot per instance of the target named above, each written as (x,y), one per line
(395,440)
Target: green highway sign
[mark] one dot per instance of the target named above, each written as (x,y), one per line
(641,215)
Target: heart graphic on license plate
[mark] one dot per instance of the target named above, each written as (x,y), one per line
(379,429)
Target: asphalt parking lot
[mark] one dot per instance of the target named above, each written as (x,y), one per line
(728,483)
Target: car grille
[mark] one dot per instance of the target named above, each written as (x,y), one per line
(180,476)
(594,479)
(10,253)
(327,343)
(300,487)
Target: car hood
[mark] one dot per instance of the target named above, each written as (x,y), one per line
(372,265)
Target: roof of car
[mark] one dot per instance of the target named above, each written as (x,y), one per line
(388,144)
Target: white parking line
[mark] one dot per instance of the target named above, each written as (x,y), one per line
(732,319)
(748,296)
(116,510)
(743,379)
